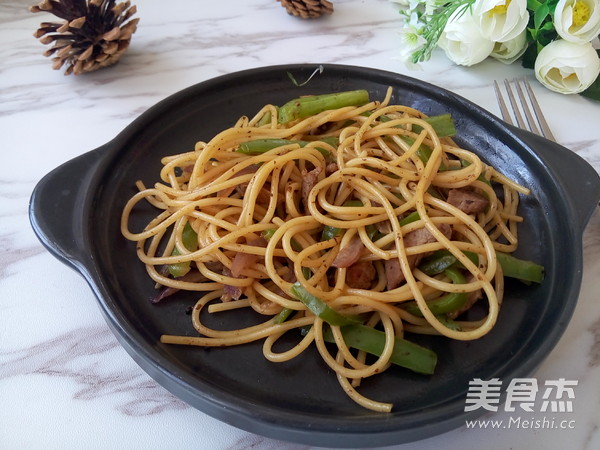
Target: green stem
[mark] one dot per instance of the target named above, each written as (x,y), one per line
(405,354)
(442,124)
(189,239)
(446,304)
(310,105)
(441,260)
(519,268)
(283,315)
(259,146)
(319,308)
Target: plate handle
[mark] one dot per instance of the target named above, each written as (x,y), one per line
(577,177)
(56,206)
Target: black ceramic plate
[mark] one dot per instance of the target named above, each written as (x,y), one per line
(75,211)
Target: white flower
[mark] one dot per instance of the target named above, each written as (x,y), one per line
(462,40)
(577,20)
(501,20)
(511,50)
(566,67)
(412,42)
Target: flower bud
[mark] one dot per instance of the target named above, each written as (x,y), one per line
(577,20)
(509,51)
(566,67)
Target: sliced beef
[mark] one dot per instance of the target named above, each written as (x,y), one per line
(423,236)
(331,168)
(349,254)
(467,200)
(360,275)
(393,272)
(309,179)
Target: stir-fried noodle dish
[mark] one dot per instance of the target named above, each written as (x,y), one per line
(353,223)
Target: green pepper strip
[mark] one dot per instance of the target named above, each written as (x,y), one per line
(442,124)
(319,308)
(448,323)
(189,239)
(519,268)
(511,266)
(266,119)
(412,217)
(269,232)
(310,105)
(405,354)
(330,232)
(282,316)
(441,260)
(446,304)
(258,146)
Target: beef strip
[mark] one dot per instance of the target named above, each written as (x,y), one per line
(309,179)
(360,275)
(467,200)
(331,168)
(471,300)
(421,236)
(350,254)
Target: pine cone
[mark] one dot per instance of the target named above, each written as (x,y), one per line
(93,33)
(307,9)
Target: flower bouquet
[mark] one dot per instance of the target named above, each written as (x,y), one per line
(554,37)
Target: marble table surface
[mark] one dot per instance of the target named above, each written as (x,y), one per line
(65,382)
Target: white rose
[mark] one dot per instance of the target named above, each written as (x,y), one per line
(577,20)
(566,67)
(501,20)
(511,50)
(462,41)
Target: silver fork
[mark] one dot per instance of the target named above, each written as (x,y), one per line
(537,124)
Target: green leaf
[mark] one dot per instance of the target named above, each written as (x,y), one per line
(540,15)
(551,5)
(529,56)
(593,91)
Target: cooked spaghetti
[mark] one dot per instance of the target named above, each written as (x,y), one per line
(349,222)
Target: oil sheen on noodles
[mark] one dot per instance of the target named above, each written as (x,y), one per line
(332,227)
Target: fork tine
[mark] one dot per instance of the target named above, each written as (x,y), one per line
(515,107)
(503,108)
(546,132)
(530,120)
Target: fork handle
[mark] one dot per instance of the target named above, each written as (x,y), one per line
(577,178)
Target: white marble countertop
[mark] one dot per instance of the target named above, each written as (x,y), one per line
(64,380)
